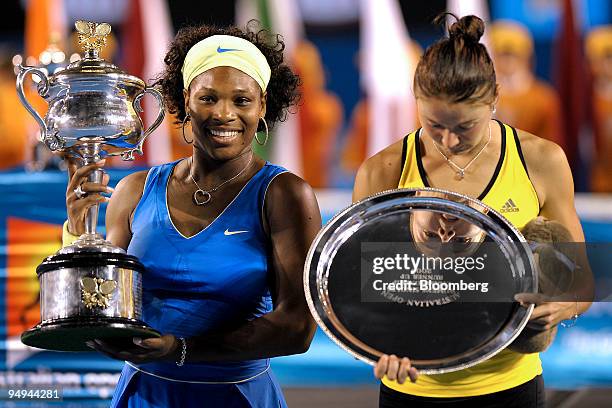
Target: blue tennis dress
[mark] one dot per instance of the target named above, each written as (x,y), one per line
(195,285)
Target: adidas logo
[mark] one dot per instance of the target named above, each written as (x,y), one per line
(509,206)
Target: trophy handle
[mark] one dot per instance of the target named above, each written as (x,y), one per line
(129,155)
(43,88)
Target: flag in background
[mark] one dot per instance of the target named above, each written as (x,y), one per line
(570,79)
(283,17)
(157,26)
(45,20)
(132,41)
(45,23)
(387,70)
(147,33)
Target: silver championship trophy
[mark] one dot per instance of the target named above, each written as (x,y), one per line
(421,273)
(91,289)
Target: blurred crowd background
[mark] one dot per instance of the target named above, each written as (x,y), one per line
(355,58)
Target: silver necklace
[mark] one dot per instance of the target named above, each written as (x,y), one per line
(461,170)
(203,197)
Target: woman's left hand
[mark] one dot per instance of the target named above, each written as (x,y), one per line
(164,348)
(547,314)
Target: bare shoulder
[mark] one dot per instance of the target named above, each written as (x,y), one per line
(546,163)
(287,189)
(380,172)
(540,155)
(124,200)
(386,163)
(290,205)
(131,186)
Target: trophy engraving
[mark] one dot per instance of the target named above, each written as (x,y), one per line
(97,292)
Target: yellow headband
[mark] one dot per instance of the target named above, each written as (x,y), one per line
(226,51)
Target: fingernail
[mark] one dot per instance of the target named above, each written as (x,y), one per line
(414,374)
(90,344)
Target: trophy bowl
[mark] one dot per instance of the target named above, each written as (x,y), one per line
(421,273)
(90,289)
(93,105)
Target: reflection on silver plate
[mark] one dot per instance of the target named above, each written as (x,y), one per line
(422,273)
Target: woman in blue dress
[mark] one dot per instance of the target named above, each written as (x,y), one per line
(223,234)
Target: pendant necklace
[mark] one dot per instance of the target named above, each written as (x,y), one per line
(203,197)
(460,171)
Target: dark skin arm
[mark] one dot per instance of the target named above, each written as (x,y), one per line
(292,219)
(119,213)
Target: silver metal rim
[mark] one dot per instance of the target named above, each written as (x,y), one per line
(338,221)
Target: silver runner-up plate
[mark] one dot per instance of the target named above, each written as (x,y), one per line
(421,273)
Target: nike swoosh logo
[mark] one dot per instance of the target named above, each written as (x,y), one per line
(228,232)
(220,50)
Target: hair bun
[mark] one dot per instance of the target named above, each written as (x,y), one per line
(470,28)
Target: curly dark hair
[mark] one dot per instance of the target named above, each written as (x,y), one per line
(283,88)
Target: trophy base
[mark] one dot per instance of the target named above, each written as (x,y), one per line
(72,334)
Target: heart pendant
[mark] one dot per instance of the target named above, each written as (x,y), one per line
(460,175)
(201,197)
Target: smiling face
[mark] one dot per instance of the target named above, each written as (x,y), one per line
(455,127)
(225,105)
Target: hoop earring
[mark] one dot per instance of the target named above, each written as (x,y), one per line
(267,134)
(187,117)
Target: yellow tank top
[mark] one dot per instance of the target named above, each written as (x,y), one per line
(511,193)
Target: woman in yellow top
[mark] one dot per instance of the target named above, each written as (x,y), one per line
(463,149)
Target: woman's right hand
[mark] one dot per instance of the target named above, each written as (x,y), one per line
(395,369)
(77,207)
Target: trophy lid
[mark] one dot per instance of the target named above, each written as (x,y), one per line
(92,38)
